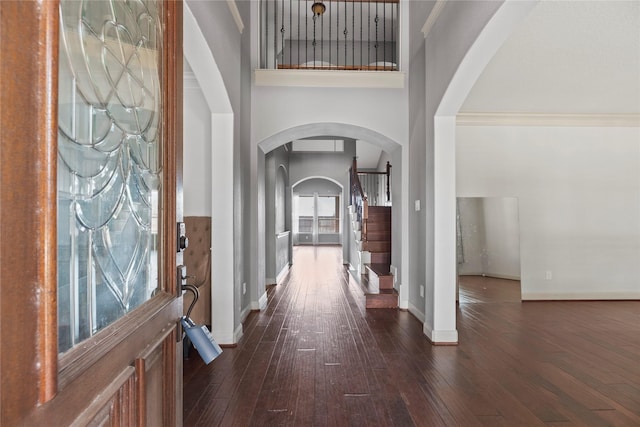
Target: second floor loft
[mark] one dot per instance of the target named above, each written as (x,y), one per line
(329,35)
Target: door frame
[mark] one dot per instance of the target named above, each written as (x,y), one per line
(38,386)
(315,229)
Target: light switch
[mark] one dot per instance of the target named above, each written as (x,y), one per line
(417,205)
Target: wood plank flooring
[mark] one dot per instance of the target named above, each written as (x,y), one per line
(316,357)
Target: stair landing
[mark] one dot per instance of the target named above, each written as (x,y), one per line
(378,288)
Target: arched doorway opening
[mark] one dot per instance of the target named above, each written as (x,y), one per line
(325,131)
(209,140)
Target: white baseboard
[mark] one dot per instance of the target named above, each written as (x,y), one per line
(270,281)
(224,337)
(262,302)
(244,313)
(502,276)
(494,275)
(419,314)
(237,334)
(441,337)
(282,273)
(567,296)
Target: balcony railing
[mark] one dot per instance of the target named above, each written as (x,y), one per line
(333,34)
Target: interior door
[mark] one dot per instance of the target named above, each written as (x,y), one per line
(90,190)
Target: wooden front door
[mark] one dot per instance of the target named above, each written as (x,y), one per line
(90,195)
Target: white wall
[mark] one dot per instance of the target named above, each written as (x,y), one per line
(276,109)
(196,179)
(579,203)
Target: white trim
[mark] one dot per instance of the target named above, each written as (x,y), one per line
(237,334)
(416,312)
(403,304)
(245,313)
(499,28)
(222,236)
(441,337)
(206,71)
(224,337)
(282,273)
(190,80)
(568,296)
(436,10)
(548,119)
(262,302)
(330,78)
(494,275)
(236,14)
(442,327)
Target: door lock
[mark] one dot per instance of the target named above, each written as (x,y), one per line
(183,240)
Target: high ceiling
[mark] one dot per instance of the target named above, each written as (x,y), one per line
(568,57)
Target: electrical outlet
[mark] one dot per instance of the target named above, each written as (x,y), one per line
(422,291)
(244,288)
(548,275)
(417,205)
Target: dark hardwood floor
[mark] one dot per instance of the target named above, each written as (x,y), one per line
(315,356)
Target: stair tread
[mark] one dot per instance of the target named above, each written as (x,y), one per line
(386,299)
(380,269)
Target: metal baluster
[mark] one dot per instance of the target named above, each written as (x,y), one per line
(321,38)
(290,32)
(282,30)
(338,36)
(361,39)
(346,31)
(393,43)
(330,25)
(384,34)
(369,35)
(298,56)
(353,34)
(376,45)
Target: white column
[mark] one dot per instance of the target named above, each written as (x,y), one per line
(222,244)
(444,269)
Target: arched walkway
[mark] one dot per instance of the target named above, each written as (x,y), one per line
(345,130)
(198,54)
(494,34)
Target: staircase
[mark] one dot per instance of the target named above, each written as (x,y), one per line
(372,228)
(377,280)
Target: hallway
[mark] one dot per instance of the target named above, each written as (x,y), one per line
(316,357)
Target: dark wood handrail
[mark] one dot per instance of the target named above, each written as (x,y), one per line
(358,199)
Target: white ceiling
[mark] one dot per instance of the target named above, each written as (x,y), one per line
(571,56)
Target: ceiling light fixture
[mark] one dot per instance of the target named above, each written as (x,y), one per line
(318,8)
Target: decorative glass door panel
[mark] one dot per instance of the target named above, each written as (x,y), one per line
(109,162)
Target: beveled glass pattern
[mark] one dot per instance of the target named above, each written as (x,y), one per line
(109,162)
